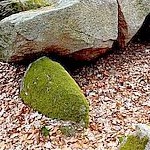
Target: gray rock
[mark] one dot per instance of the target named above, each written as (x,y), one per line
(83,29)
(143,34)
(134,13)
(143,130)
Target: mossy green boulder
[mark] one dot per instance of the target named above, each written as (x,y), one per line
(140,140)
(48,88)
(134,143)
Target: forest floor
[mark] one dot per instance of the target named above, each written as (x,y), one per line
(117,87)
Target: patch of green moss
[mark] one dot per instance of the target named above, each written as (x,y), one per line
(45,131)
(18,5)
(49,89)
(134,143)
(68,130)
(121,139)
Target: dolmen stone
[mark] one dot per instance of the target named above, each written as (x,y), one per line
(79,29)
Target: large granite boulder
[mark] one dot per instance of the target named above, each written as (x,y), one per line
(132,14)
(80,29)
(48,88)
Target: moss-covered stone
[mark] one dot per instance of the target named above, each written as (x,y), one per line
(134,143)
(45,131)
(68,130)
(28,4)
(49,89)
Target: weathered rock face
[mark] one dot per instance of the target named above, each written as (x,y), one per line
(49,89)
(80,29)
(131,17)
